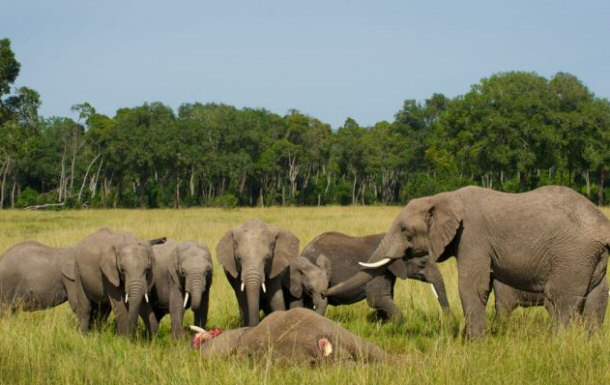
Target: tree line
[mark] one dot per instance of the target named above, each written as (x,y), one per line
(512,131)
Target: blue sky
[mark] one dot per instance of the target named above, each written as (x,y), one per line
(329,59)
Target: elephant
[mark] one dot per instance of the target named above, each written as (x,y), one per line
(333,257)
(182,276)
(255,257)
(508,299)
(34,276)
(291,336)
(114,271)
(550,240)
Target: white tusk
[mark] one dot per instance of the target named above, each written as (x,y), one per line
(186,298)
(146,297)
(314,307)
(243,286)
(126,297)
(434,291)
(197,329)
(384,261)
(264,288)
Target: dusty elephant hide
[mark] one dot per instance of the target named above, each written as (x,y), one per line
(294,336)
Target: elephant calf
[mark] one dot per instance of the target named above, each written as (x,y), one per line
(333,257)
(35,276)
(182,276)
(508,299)
(291,336)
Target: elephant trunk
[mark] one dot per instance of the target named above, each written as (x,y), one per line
(320,304)
(252,281)
(361,278)
(136,291)
(195,288)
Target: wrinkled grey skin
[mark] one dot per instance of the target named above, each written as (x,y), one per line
(550,240)
(333,257)
(508,299)
(181,268)
(255,253)
(34,276)
(292,337)
(109,267)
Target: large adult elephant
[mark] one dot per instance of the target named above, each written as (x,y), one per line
(182,275)
(255,256)
(550,240)
(114,271)
(34,276)
(333,257)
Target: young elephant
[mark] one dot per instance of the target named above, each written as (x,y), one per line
(255,257)
(114,271)
(292,336)
(182,276)
(333,257)
(508,299)
(34,276)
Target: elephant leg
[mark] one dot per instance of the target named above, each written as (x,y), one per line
(99,315)
(565,293)
(151,324)
(71,293)
(275,295)
(379,296)
(474,285)
(595,306)
(434,276)
(176,312)
(242,303)
(83,306)
(201,314)
(505,301)
(295,303)
(121,314)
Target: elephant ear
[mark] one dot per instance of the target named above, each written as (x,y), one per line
(68,269)
(399,268)
(174,267)
(225,251)
(324,263)
(296,280)
(109,266)
(286,248)
(444,219)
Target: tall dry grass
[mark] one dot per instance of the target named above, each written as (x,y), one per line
(45,348)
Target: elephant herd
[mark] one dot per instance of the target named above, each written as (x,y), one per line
(545,247)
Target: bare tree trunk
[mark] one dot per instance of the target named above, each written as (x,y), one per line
(13,193)
(7,168)
(192,182)
(600,187)
(80,192)
(72,166)
(354,190)
(177,192)
(95,179)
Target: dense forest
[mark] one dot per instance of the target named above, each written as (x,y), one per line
(512,131)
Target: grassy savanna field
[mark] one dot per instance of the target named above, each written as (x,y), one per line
(45,347)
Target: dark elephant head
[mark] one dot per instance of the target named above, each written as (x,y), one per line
(191,265)
(310,280)
(129,265)
(256,252)
(425,226)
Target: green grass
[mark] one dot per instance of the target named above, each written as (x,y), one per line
(45,348)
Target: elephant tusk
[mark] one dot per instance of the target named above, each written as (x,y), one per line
(146,297)
(197,329)
(264,288)
(314,307)
(186,298)
(126,297)
(434,291)
(243,286)
(373,265)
